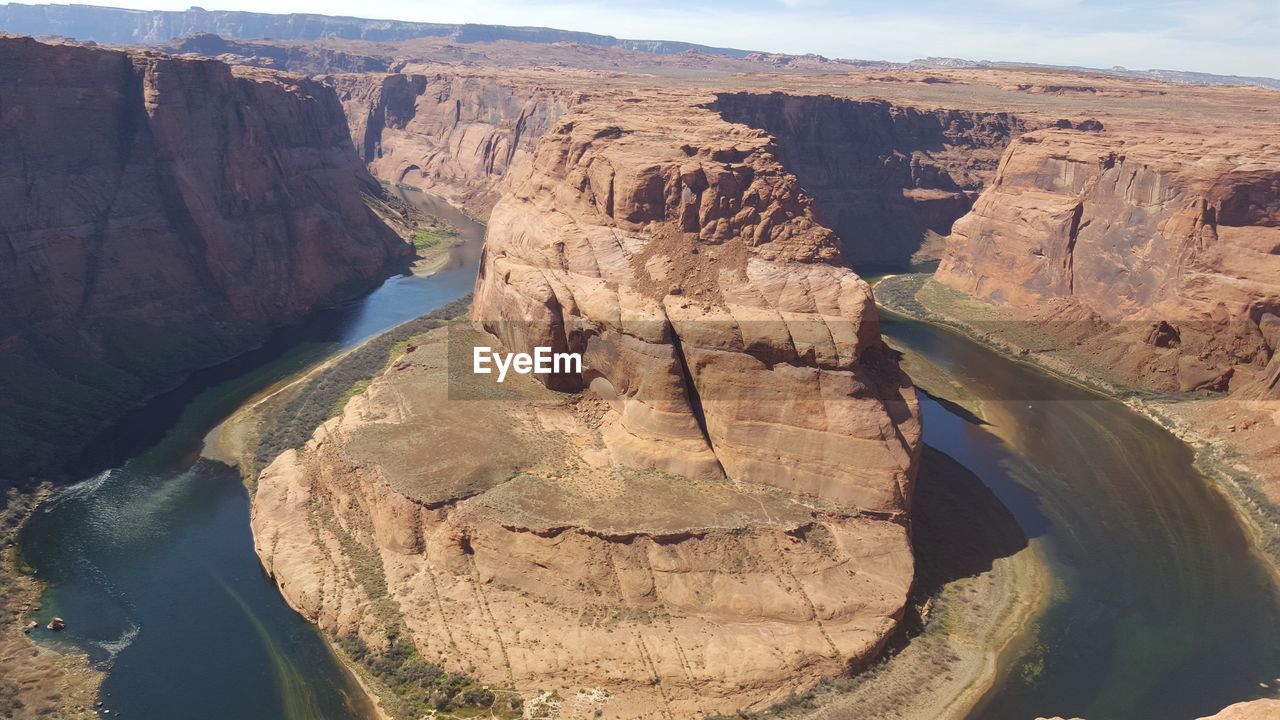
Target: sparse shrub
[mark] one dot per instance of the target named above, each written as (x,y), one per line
(330,390)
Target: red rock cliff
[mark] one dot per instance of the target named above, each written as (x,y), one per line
(157,215)
(1171,244)
(883,176)
(718,518)
(682,259)
(454,133)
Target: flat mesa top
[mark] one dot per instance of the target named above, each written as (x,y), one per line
(526,456)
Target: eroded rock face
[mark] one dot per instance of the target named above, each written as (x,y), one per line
(716,513)
(158,215)
(685,264)
(455,134)
(493,526)
(1162,256)
(883,176)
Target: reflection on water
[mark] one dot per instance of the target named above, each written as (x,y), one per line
(151,561)
(1161,609)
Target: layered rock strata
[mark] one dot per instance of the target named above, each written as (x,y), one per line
(1174,250)
(1149,262)
(713,516)
(884,177)
(158,215)
(455,134)
(685,263)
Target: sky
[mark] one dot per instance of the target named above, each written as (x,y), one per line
(1240,37)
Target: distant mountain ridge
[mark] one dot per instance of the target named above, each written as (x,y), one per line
(119,25)
(146,27)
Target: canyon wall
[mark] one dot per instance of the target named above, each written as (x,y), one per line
(1160,258)
(884,177)
(302,58)
(454,134)
(158,215)
(712,514)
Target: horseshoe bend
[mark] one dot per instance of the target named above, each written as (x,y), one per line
(731,368)
(833,420)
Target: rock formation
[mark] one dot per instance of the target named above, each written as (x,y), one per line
(884,176)
(698,256)
(455,134)
(158,215)
(1148,261)
(713,518)
(1254,710)
(688,242)
(1175,249)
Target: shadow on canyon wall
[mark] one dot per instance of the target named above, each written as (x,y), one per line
(889,180)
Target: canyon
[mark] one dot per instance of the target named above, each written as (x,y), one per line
(698,238)
(1146,263)
(689,241)
(160,215)
(747,378)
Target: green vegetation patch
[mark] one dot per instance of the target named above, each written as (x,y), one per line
(326,394)
(426,688)
(428,239)
(340,404)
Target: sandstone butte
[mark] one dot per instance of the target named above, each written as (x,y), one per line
(158,215)
(715,514)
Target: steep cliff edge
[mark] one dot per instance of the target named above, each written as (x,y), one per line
(680,248)
(716,513)
(158,215)
(1147,261)
(455,134)
(1175,248)
(885,177)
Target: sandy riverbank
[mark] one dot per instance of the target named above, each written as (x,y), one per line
(35,681)
(1242,465)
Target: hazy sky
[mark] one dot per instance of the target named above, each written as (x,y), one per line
(1221,36)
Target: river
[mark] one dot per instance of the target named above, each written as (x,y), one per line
(1160,609)
(151,560)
